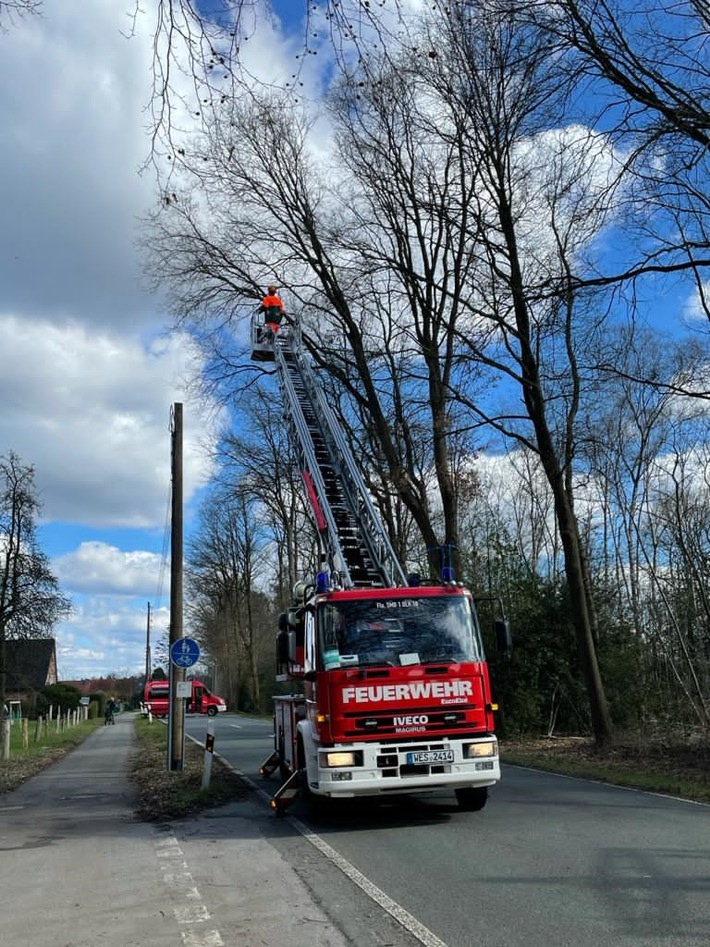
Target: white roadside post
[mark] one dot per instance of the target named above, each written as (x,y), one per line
(209,753)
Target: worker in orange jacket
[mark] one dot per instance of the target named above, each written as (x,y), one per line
(273,309)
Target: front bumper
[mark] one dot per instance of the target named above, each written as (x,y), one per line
(385,769)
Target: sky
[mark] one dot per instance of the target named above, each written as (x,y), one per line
(89,371)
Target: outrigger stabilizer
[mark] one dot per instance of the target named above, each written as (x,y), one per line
(289,791)
(269,766)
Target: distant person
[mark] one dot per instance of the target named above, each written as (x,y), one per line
(111,708)
(273,309)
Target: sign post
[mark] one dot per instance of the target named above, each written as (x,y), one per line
(176,726)
(183,654)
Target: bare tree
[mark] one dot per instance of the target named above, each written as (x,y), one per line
(30,599)
(265,207)
(683,520)
(201,60)
(648,68)
(536,211)
(263,461)
(12,10)
(228,557)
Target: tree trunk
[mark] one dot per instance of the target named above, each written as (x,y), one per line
(582,618)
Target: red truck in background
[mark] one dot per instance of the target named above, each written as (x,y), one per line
(156,700)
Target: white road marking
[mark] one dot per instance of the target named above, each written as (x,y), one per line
(188,914)
(194,912)
(206,939)
(401,915)
(395,910)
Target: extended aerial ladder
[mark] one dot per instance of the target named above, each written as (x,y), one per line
(419,712)
(354,544)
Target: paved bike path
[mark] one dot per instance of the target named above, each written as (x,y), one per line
(77,870)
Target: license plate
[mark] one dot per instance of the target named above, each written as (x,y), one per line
(430,756)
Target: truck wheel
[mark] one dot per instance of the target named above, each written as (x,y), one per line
(211,711)
(472,799)
(320,808)
(301,764)
(284,770)
(311,797)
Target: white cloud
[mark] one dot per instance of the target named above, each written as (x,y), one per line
(100,567)
(110,589)
(90,411)
(695,307)
(72,106)
(87,374)
(107,636)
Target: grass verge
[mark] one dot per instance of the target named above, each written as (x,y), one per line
(164,795)
(676,767)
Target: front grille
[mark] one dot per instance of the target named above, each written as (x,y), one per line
(384,724)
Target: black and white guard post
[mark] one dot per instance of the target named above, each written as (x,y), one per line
(209,753)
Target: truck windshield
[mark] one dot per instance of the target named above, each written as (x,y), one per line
(396,632)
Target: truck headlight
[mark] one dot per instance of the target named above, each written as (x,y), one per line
(341,758)
(471,750)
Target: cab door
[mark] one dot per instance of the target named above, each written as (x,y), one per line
(197,694)
(310,688)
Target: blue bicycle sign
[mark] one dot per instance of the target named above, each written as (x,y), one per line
(184,652)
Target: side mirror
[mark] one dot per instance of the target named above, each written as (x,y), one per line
(504,636)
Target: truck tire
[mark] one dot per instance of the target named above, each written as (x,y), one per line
(321,809)
(284,770)
(311,797)
(211,711)
(472,799)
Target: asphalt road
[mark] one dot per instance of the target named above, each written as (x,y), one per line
(549,861)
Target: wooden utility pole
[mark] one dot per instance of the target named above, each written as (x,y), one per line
(176,729)
(147,648)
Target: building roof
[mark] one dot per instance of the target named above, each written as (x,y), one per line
(31,664)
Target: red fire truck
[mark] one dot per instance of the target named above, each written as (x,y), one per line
(395,694)
(156,700)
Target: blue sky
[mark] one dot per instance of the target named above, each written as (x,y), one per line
(88,373)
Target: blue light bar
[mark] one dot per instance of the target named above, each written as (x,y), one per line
(447,574)
(323,582)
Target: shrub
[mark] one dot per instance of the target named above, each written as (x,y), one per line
(63,696)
